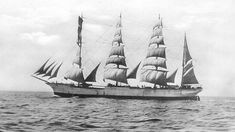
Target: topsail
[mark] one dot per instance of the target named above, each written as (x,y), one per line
(115,67)
(76,72)
(154,65)
(188,76)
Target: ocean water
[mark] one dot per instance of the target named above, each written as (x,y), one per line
(41,111)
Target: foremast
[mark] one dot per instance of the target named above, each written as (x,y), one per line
(76,72)
(154,68)
(115,67)
(188,76)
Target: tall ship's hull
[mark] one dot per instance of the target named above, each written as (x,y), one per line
(65,90)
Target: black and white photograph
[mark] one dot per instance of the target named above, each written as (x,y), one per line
(117,65)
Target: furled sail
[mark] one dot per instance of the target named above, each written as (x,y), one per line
(92,76)
(133,73)
(154,66)
(40,70)
(115,64)
(50,71)
(76,73)
(171,77)
(188,76)
(56,72)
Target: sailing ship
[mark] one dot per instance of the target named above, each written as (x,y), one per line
(152,70)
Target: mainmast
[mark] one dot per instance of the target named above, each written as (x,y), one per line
(115,67)
(154,66)
(76,73)
(188,76)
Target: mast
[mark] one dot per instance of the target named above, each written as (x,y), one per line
(154,68)
(188,76)
(76,72)
(115,67)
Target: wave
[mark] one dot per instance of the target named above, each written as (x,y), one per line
(188,109)
(148,120)
(23,105)
(8,112)
(84,125)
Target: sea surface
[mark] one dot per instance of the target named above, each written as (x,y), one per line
(41,111)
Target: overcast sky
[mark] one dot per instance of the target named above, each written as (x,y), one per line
(33,30)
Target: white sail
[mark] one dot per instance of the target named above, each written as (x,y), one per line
(156,52)
(151,61)
(118,32)
(117,39)
(156,40)
(157,32)
(116,58)
(75,73)
(116,74)
(78,59)
(158,24)
(156,57)
(153,76)
(117,50)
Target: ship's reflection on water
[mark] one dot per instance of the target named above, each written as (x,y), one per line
(44,112)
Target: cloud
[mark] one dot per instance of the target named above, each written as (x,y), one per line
(95,28)
(40,38)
